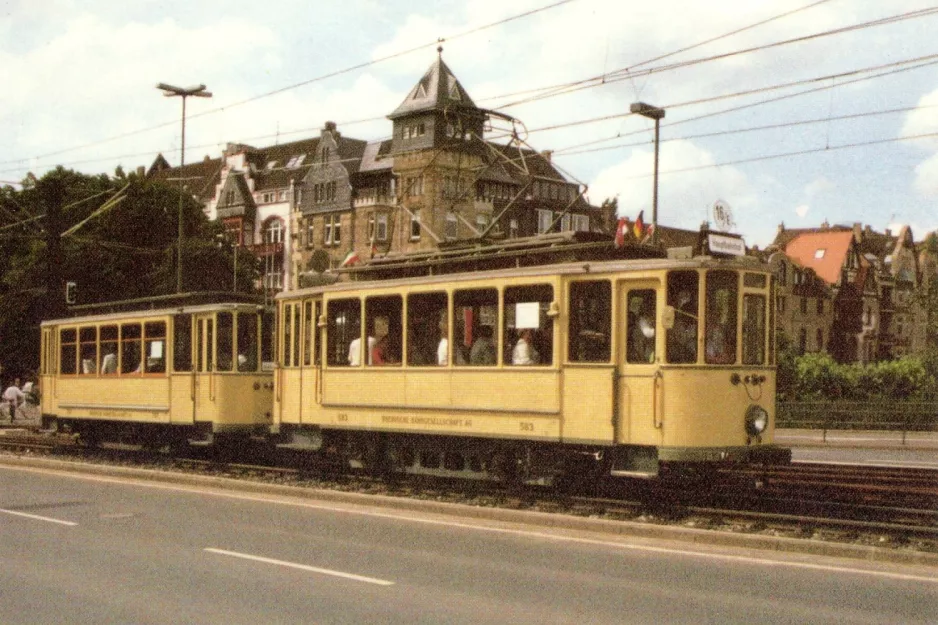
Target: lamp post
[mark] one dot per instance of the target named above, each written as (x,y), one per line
(171,91)
(655,113)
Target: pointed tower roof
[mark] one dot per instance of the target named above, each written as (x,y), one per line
(437,90)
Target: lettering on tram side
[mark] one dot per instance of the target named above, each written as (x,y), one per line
(527,426)
(452,422)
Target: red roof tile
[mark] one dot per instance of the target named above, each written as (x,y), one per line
(805,248)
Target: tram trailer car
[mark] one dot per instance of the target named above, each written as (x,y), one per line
(629,367)
(165,370)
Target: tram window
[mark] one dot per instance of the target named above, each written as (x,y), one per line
(209,345)
(754,280)
(640,337)
(753,330)
(287,320)
(182,343)
(475,327)
(309,327)
(343,324)
(247,341)
(682,296)
(384,316)
(68,351)
(427,330)
(108,350)
(88,345)
(268,339)
(529,332)
(131,352)
(772,338)
(154,343)
(225,349)
(590,315)
(722,303)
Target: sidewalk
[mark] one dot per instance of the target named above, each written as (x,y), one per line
(857,438)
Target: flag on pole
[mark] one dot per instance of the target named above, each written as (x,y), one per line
(649,231)
(621,229)
(639,227)
(351,259)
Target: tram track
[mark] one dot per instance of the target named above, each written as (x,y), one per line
(832,503)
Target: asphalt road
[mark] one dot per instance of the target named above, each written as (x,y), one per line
(83,549)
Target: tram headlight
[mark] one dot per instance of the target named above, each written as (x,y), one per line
(757,419)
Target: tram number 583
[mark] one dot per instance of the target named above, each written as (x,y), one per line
(527,426)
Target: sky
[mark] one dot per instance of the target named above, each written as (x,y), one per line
(787,111)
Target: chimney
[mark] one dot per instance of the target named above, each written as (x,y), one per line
(141,170)
(858,231)
(547,154)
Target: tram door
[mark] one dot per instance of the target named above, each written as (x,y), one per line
(204,380)
(640,353)
(183,372)
(299,386)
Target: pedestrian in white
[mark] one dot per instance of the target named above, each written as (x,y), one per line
(13,396)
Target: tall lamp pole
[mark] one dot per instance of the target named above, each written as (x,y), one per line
(655,113)
(171,91)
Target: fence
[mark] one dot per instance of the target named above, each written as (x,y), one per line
(899,416)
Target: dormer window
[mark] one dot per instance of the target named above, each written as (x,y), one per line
(819,253)
(295,161)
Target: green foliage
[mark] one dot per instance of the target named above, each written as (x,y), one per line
(819,376)
(127,251)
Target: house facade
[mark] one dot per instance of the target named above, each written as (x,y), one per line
(316,204)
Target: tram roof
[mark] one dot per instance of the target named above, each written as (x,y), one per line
(606,262)
(176,302)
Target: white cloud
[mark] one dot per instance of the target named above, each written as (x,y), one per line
(926,177)
(684,199)
(819,186)
(802,210)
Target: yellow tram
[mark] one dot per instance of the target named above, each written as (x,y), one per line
(628,365)
(162,370)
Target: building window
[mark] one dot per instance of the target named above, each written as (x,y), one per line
(820,306)
(482,222)
(273,231)
(802,341)
(819,253)
(783,274)
(295,161)
(415,225)
(804,305)
(452,225)
(310,233)
(544,219)
(332,230)
(413,186)
(780,303)
(378,227)
(581,223)
(820,340)
(513,228)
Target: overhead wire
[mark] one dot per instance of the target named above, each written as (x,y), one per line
(305,82)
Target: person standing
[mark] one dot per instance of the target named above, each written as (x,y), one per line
(14,396)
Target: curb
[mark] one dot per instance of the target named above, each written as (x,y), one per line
(522,517)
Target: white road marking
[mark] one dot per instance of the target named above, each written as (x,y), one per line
(302,567)
(36,517)
(279,499)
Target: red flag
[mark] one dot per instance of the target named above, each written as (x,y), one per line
(621,228)
(639,227)
(649,231)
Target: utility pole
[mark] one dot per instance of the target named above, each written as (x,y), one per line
(52,193)
(171,91)
(655,113)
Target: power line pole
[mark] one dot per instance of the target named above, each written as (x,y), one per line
(52,193)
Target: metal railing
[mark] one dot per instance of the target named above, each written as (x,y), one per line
(897,416)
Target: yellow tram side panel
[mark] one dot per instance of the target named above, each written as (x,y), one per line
(144,399)
(702,408)
(445,401)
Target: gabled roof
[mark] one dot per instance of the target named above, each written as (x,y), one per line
(436,91)
(825,252)
(376,157)
(201,176)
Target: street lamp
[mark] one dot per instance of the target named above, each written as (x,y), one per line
(171,91)
(655,113)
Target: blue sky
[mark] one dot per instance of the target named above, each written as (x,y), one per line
(833,145)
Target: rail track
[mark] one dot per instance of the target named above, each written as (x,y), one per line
(885,507)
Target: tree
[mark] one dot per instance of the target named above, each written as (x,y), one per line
(123,252)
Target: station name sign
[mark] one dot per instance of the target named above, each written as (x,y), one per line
(725,244)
